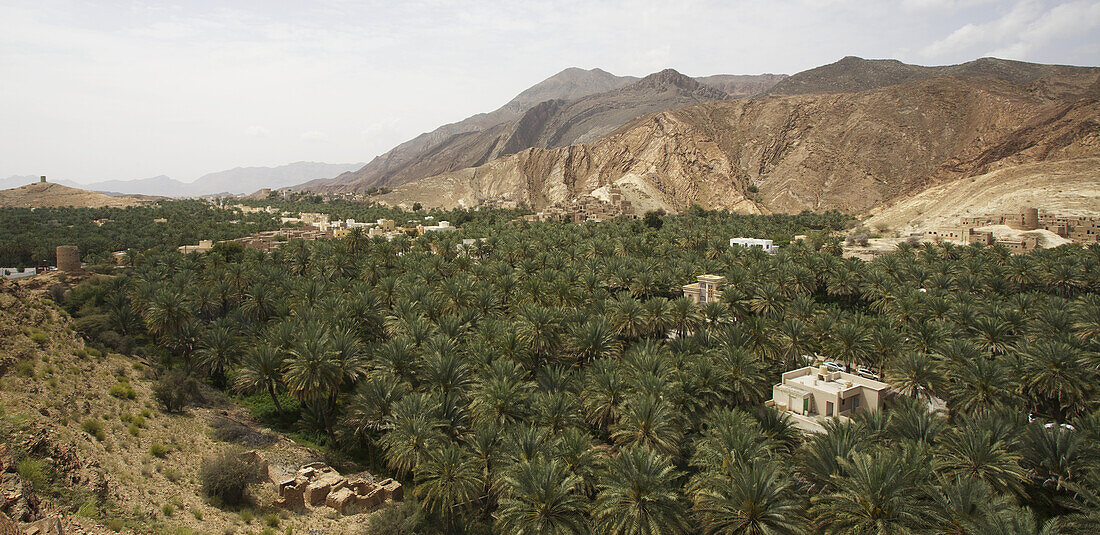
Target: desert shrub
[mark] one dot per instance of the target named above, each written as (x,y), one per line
(175,390)
(158,450)
(93,352)
(272,520)
(138,421)
(34,471)
(228,430)
(24,368)
(39,337)
(247,515)
(94,427)
(168,510)
(122,390)
(173,475)
(405,518)
(89,510)
(226,476)
(197,513)
(133,430)
(115,524)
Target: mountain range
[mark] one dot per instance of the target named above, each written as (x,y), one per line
(856,135)
(233,181)
(573,106)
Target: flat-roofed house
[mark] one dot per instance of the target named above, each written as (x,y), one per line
(765,245)
(708,289)
(817,392)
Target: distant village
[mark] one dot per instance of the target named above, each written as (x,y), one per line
(1079,229)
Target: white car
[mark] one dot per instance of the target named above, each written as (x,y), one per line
(867,374)
(835,366)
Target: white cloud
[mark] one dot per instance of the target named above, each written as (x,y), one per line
(1022,32)
(313,135)
(257,131)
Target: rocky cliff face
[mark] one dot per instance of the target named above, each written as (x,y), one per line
(849,151)
(576,107)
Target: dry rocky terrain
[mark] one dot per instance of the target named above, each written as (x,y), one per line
(86,444)
(55,195)
(854,152)
(574,106)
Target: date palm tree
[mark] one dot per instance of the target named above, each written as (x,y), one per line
(756,499)
(651,422)
(448,482)
(541,497)
(218,350)
(314,373)
(878,494)
(638,496)
(262,368)
(981,448)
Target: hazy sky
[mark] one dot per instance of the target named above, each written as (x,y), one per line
(130,89)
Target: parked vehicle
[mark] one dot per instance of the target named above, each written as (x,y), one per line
(867,374)
(835,366)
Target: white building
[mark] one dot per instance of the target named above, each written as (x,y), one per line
(765,245)
(16,273)
(443,226)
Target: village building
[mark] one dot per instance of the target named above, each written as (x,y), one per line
(816,392)
(443,226)
(765,245)
(707,289)
(202,247)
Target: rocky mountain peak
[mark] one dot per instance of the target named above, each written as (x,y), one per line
(666,79)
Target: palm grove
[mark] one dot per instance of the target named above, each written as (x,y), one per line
(551,379)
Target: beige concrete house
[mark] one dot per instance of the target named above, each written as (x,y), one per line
(708,289)
(818,393)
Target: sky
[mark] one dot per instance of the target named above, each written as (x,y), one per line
(100,90)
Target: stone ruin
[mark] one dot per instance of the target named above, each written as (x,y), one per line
(317,484)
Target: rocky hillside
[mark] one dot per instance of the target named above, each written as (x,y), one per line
(849,151)
(742,85)
(39,195)
(858,74)
(574,106)
(85,447)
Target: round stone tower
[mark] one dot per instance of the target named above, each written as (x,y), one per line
(1029,218)
(68,258)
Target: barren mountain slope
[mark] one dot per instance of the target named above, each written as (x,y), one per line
(742,85)
(851,151)
(549,123)
(1070,187)
(570,83)
(40,195)
(857,74)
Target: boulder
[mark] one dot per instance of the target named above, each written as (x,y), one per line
(46,526)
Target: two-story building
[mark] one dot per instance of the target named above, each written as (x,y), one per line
(817,392)
(707,290)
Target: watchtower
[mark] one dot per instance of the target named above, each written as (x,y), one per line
(68,259)
(1029,219)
